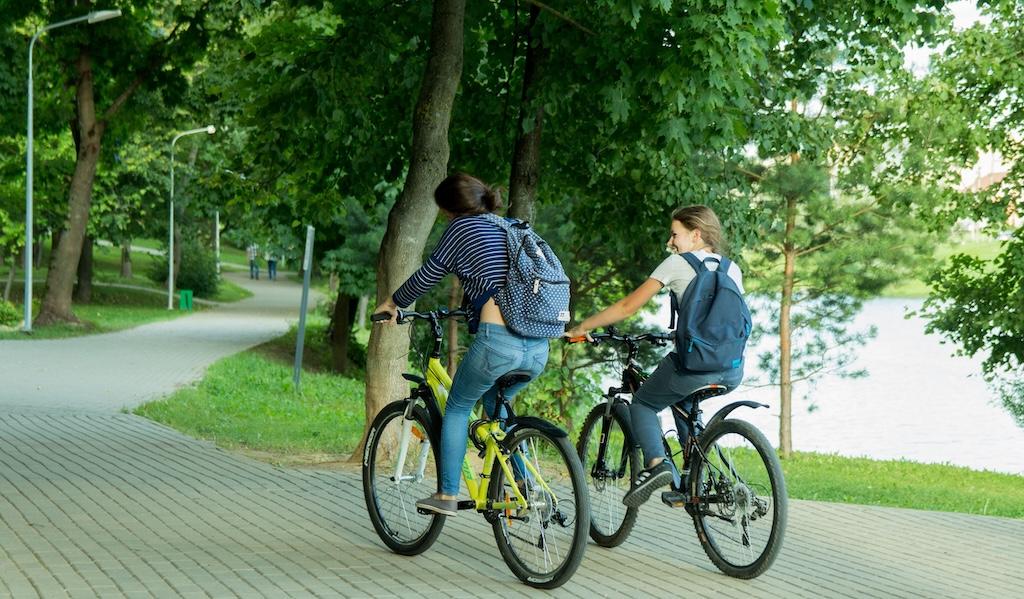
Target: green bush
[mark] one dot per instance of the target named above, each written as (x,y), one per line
(9,314)
(198,270)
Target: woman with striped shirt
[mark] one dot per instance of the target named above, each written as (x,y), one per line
(475,250)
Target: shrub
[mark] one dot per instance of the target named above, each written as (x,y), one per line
(198,270)
(9,314)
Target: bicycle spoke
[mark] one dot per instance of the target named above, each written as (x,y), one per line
(540,536)
(736,509)
(400,470)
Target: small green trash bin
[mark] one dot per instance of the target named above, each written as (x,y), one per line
(185,299)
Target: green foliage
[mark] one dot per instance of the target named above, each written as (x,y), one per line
(979,305)
(197,271)
(848,245)
(10,315)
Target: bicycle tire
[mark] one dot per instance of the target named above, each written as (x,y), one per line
(737,480)
(402,528)
(611,521)
(560,467)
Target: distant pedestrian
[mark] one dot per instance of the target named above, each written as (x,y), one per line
(252,252)
(271,265)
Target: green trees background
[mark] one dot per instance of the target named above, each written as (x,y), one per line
(833,167)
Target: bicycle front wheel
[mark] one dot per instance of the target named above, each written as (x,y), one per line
(543,541)
(610,462)
(399,468)
(740,498)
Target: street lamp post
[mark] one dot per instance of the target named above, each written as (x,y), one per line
(209,130)
(93,17)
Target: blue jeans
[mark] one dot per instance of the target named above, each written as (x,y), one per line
(272,269)
(665,387)
(254,269)
(494,352)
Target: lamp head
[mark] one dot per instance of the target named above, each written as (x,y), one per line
(103,15)
(210,129)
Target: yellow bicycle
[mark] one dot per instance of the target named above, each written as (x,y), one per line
(530,486)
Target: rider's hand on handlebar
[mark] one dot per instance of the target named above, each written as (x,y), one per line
(389,308)
(577,334)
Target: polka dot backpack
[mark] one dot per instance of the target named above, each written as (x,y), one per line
(535,299)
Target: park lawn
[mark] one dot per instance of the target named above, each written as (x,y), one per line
(247,402)
(983,247)
(112,309)
(901,483)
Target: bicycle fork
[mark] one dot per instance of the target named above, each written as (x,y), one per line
(404,438)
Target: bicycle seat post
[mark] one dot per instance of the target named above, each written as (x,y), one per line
(504,382)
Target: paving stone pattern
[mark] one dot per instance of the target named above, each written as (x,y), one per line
(94,503)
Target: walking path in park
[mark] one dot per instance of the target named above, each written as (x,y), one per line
(94,502)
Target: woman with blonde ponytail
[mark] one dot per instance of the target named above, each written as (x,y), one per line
(696,230)
(475,249)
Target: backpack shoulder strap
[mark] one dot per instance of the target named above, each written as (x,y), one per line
(500,222)
(724,264)
(694,261)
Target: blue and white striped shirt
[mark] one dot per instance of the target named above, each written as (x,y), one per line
(476,251)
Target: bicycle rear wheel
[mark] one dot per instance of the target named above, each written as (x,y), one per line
(543,542)
(740,498)
(610,462)
(390,499)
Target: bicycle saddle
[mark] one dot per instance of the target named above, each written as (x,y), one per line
(511,378)
(707,392)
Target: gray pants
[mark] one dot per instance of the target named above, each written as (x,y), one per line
(665,387)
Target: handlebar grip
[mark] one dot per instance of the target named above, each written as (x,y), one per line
(380,316)
(580,339)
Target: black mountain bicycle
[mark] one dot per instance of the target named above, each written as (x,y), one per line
(730,480)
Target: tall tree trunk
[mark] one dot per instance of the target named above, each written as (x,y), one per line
(54,243)
(60,279)
(341,332)
(10,277)
(37,252)
(414,212)
(454,301)
(360,320)
(522,189)
(786,335)
(126,260)
(83,291)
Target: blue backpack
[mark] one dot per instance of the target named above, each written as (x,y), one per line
(535,298)
(714,320)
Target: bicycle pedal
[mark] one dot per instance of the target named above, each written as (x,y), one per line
(673,499)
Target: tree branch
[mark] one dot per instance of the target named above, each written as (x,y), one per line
(559,15)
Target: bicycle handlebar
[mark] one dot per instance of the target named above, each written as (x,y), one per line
(611,334)
(405,316)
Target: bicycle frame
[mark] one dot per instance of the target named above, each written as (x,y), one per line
(433,390)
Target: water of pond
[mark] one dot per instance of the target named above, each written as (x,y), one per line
(918,402)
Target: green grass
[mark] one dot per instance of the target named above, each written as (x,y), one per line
(983,248)
(229,292)
(111,309)
(247,401)
(900,483)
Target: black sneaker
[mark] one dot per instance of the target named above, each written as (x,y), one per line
(646,482)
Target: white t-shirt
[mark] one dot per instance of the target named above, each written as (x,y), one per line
(676,273)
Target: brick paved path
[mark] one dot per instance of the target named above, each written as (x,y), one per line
(95,503)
